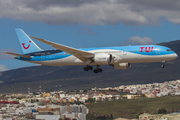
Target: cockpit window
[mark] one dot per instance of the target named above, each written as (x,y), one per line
(169,50)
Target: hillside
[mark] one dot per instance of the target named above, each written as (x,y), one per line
(132,108)
(73,77)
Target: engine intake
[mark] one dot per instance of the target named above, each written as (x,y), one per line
(103,58)
(122,66)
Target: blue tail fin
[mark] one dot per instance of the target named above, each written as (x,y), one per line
(27,45)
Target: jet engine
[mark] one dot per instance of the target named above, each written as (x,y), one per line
(122,66)
(103,58)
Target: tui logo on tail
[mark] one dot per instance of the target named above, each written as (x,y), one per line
(27,46)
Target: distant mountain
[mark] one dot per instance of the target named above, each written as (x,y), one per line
(74,77)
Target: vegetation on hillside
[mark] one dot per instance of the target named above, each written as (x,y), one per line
(132,108)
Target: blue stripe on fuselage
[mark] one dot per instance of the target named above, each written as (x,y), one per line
(47,57)
(157,50)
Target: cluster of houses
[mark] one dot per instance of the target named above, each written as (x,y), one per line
(62,98)
(39,108)
(148,90)
(147,116)
(71,105)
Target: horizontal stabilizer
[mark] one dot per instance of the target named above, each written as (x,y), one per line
(24,56)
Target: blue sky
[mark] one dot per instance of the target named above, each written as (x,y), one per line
(96,23)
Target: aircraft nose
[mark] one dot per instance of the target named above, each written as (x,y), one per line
(175,55)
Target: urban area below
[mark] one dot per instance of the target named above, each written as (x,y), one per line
(72,105)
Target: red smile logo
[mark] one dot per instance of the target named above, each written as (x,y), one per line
(27,46)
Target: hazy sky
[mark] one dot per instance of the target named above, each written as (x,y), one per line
(86,23)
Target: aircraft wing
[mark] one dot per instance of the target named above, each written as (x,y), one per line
(82,55)
(24,56)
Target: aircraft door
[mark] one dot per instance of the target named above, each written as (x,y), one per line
(158,51)
(125,52)
(42,55)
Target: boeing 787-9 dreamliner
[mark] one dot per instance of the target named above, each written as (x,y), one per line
(119,57)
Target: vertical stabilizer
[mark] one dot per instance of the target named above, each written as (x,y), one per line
(27,45)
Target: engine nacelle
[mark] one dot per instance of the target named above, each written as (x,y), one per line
(122,66)
(103,58)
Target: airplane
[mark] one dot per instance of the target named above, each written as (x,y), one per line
(119,57)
